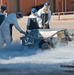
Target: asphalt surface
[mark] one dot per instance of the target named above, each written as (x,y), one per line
(66,21)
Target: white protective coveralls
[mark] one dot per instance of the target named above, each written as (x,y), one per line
(5,31)
(40,12)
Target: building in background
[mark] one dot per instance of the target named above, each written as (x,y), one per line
(64,5)
(12,5)
(26,5)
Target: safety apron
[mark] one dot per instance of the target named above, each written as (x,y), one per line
(33,24)
(44,17)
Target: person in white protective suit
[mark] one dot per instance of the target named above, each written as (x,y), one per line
(5,27)
(33,20)
(45,14)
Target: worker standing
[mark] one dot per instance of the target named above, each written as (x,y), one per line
(33,20)
(45,14)
(5,27)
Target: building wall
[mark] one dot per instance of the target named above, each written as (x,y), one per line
(25,5)
(52,5)
(58,5)
(0,2)
(61,8)
(14,6)
(7,3)
(69,5)
(41,1)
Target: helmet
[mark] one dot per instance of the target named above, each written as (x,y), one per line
(20,14)
(3,7)
(33,10)
(47,4)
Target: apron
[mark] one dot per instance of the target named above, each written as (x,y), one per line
(33,24)
(44,17)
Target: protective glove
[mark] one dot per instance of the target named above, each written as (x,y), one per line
(22,32)
(46,23)
(40,26)
(28,31)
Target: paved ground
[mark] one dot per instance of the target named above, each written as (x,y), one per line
(37,72)
(66,21)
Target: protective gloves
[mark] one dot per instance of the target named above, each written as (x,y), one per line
(46,23)
(40,26)
(22,32)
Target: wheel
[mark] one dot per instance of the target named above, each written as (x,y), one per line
(44,45)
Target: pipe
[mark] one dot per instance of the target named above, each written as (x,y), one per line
(65,5)
(35,2)
(62,6)
(0,2)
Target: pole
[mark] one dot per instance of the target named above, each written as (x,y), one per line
(58,15)
(62,6)
(65,5)
(35,2)
(0,2)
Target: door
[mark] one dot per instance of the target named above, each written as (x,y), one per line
(72,6)
(14,6)
(52,3)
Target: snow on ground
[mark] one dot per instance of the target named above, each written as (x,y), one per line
(34,60)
